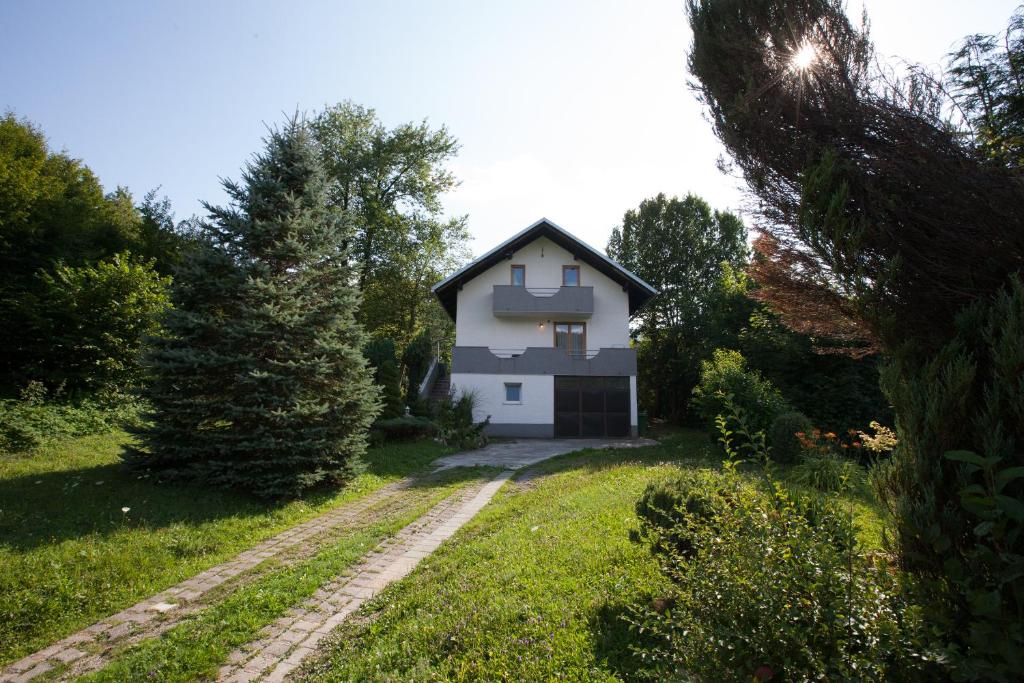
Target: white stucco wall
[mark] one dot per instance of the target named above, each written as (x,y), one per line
(538,394)
(476,324)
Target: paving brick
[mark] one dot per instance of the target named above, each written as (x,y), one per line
(280,673)
(278,648)
(120,631)
(38,670)
(305,625)
(68,655)
(260,663)
(293,636)
(314,638)
(240,676)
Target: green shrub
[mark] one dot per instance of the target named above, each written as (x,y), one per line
(764,591)
(782,435)
(726,373)
(669,509)
(93,322)
(405,428)
(420,407)
(455,422)
(32,421)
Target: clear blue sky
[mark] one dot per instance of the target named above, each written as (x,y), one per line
(571,109)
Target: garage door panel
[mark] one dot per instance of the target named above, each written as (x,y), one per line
(618,424)
(592,395)
(567,397)
(617,395)
(592,424)
(567,424)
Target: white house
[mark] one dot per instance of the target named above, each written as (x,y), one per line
(542,336)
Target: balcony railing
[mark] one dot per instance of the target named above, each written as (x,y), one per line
(536,360)
(515,353)
(570,303)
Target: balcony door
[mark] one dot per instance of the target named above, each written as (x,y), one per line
(572,337)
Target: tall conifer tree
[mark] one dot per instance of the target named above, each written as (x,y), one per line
(260,383)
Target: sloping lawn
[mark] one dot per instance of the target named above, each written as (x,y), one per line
(533,588)
(69,555)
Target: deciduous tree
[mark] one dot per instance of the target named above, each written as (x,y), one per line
(391,180)
(383,175)
(679,246)
(53,214)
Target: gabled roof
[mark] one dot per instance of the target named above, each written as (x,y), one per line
(639,291)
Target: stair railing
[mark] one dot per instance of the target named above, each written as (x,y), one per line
(428,381)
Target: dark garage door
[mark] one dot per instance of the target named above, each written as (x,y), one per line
(591,406)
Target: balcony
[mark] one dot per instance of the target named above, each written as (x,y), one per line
(535,360)
(568,303)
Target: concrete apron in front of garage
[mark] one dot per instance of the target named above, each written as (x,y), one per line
(514,455)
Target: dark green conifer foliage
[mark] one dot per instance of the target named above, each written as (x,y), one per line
(260,383)
(955,485)
(383,359)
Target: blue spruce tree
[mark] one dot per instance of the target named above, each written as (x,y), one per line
(259,382)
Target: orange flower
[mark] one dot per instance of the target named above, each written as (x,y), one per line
(799,435)
(830,435)
(856,444)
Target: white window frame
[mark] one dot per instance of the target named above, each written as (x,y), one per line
(505,387)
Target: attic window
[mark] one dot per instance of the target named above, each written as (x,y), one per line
(570,276)
(518,276)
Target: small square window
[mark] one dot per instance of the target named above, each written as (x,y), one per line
(513,392)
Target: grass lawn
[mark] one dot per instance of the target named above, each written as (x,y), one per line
(534,587)
(69,556)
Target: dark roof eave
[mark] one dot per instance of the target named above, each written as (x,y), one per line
(639,291)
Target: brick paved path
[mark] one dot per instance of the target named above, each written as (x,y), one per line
(292,638)
(161,611)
